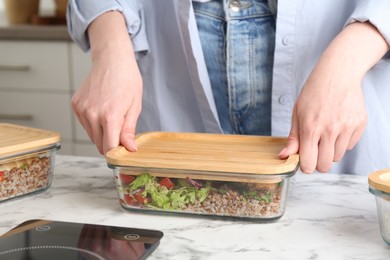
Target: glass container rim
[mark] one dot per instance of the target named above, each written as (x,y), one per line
(194,173)
(377,192)
(55,146)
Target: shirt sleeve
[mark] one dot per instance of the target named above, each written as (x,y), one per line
(377,12)
(81,13)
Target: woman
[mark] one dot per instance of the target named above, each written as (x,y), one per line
(328,91)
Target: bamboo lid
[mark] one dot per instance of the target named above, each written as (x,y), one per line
(380,180)
(206,152)
(15,139)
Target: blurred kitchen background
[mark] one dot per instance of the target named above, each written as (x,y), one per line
(45,7)
(40,68)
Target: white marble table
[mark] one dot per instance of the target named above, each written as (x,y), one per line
(328,217)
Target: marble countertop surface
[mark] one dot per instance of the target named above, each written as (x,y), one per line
(327,217)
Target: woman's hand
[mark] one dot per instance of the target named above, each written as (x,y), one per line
(329,116)
(109,100)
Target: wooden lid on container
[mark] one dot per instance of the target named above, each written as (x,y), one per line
(15,139)
(206,152)
(380,180)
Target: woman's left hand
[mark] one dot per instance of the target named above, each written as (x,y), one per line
(329,116)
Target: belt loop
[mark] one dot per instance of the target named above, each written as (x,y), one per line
(273,5)
(224,5)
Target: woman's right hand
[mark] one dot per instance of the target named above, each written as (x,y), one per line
(109,101)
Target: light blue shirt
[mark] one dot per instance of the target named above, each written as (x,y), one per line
(177,94)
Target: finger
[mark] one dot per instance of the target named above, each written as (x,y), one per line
(138,248)
(308,148)
(89,235)
(98,137)
(326,150)
(128,130)
(97,132)
(104,238)
(97,240)
(356,136)
(341,145)
(111,132)
(88,129)
(83,237)
(81,118)
(346,141)
(292,146)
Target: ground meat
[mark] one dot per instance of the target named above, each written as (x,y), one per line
(30,175)
(234,203)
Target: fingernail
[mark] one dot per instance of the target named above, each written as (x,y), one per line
(282,152)
(133,145)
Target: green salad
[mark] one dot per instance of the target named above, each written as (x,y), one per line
(210,197)
(163,192)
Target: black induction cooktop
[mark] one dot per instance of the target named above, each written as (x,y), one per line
(46,239)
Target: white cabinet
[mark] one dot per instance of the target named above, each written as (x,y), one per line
(34,66)
(37,81)
(39,109)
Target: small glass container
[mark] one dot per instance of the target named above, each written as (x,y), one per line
(208,174)
(379,185)
(26,160)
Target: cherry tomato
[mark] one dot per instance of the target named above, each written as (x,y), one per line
(136,199)
(167,183)
(130,200)
(126,179)
(141,199)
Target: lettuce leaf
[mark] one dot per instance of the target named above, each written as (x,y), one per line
(176,198)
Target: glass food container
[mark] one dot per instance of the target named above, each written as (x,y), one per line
(207,174)
(379,185)
(26,160)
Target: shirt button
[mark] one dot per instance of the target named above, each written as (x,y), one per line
(286,40)
(284,99)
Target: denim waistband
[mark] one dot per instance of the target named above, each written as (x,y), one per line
(238,9)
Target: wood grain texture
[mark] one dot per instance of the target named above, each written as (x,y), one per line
(380,180)
(205,154)
(15,139)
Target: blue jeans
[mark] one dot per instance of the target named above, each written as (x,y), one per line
(238,41)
